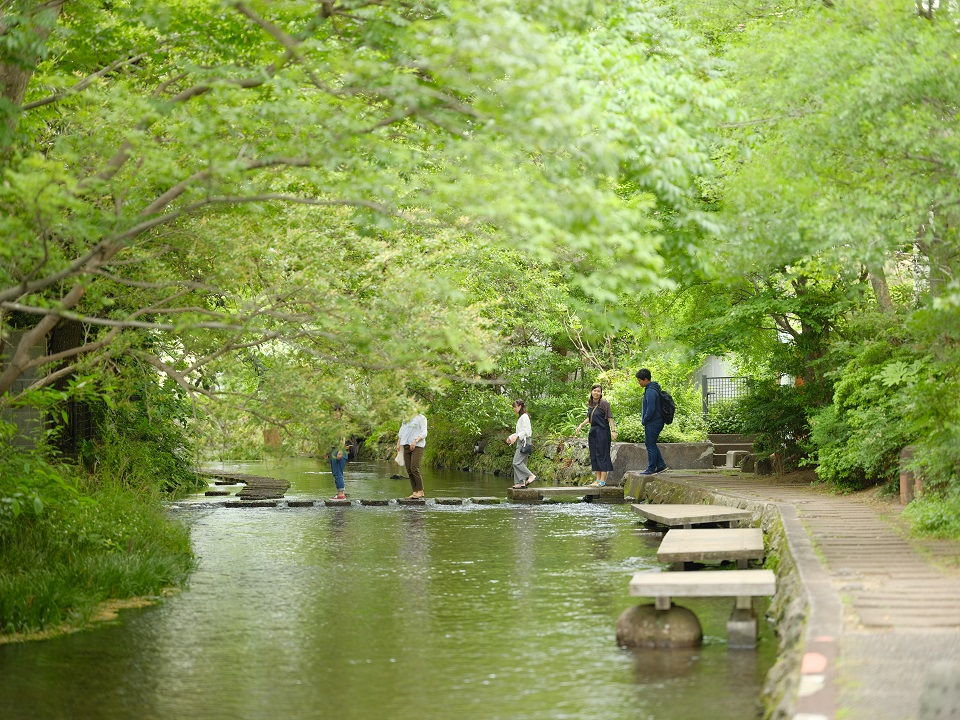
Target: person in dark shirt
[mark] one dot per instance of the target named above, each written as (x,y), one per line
(601,435)
(652,419)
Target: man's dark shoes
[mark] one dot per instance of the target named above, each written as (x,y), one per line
(649,472)
(664,468)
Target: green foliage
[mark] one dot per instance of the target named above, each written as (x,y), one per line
(726,417)
(30,484)
(143,435)
(55,568)
(777,415)
(936,516)
(630,429)
(859,437)
(78,541)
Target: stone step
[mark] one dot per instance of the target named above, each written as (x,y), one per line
(722,448)
(705,583)
(711,545)
(690,515)
(716,438)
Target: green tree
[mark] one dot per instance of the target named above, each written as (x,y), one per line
(198,182)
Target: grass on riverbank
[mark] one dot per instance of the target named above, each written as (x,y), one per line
(105,541)
(934,516)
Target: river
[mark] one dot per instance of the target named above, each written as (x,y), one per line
(469,612)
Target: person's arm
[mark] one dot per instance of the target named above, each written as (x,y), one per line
(516,434)
(609,411)
(648,407)
(580,426)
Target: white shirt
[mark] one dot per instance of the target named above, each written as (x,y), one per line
(414,430)
(524,430)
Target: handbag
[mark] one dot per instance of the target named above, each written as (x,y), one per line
(527,447)
(399,458)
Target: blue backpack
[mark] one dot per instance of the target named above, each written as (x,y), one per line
(668,408)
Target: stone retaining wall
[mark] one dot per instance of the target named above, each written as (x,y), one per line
(574,454)
(789,607)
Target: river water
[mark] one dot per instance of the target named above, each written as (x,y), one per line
(469,612)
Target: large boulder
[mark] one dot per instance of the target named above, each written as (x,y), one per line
(646,627)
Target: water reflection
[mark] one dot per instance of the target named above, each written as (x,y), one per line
(433,612)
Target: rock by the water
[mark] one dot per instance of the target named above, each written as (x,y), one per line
(646,627)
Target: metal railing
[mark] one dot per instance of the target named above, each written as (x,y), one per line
(717,389)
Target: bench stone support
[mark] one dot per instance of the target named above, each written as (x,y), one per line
(742,628)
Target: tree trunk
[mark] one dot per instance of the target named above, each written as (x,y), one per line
(14,78)
(878,281)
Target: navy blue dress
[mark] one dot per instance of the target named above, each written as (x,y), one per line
(599,438)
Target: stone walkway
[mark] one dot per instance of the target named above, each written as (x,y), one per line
(884,607)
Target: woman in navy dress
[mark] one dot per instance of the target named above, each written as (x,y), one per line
(601,435)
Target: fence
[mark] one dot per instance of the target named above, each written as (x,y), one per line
(717,389)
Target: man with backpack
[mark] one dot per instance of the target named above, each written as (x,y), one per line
(653,419)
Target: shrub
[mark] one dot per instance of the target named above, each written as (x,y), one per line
(935,516)
(777,415)
(109,542)
(725,417)
(857,439)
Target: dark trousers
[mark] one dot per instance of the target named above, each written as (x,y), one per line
(336,467)
(411,461)
(651,433)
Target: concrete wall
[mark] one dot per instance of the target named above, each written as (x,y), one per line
(626,457)
(29,420)
(679,456)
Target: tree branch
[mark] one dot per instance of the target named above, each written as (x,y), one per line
(83,84)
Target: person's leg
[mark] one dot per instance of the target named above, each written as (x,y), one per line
(656,460)
(520,470)
(650,435)
(407,458)
(416,479)
(602,476)
(336,467)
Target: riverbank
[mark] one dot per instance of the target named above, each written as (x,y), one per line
(863,613)
(107,548)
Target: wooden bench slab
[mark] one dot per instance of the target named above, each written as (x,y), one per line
(706,583)
(688,515)
(705,545)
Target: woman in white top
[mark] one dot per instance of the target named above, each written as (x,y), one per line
(412,438)
(524,434)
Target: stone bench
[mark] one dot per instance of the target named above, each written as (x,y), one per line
(687,516)
(735,457)
(711,545)
(743,585)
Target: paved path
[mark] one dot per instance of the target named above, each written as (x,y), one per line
(894,602)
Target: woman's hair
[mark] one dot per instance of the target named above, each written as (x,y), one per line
(590,396)
(523,407)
